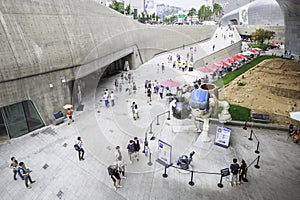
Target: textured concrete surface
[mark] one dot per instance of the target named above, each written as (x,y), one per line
(45,42)
(103,128)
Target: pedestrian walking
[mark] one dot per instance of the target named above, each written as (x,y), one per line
(137,148)
(116,85)
(115,176)
(122,78)
(136,112)
(243,172)
(70,116)
(79,147)
(14,166)
(161,91)
(120,87)
(120,165)
(131,150)
(132,108)
(213,47)
(146,85)
(149,94)
(25,173)
(162,68)
(105,98)
(112,98)
(134,88)
(234,169)
(118,154)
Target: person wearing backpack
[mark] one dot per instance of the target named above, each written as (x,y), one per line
(131,150)
(25,173)
(115,176)
(234,169)
(79,147)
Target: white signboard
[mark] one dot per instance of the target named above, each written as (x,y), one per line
(223,136)
(243,14)
(164,153)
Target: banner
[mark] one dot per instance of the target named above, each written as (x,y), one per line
(164,153)
(243,14)
(223,136)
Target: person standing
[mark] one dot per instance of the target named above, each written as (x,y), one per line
(25,173)
(213,47)
(134,88)
(118,154)
(243,172)
(147,149)
(112,98)
(234,169)
(70,116)
(14,166)
(137,148)
(80,149)
(161,91)
(131,150)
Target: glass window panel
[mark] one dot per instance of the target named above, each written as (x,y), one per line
(3,131)
(34,121)
(15,120)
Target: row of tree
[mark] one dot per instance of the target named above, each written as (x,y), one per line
(205,13)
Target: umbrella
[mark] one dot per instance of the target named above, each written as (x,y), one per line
(170,83)
(67,106)
(254,50)
(235,58)
(229,60)
(223,63)
(240,55)
(295,115)
(213,67)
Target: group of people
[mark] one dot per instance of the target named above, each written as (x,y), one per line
(126,80)
(238,172)
(135,111)
(133,149)
(22,170)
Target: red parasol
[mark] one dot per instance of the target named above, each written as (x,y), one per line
(170,83)
(205,70)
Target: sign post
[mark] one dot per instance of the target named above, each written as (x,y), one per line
(164,155)
(223,136)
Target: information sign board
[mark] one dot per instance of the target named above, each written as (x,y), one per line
(223,136)
(164,153)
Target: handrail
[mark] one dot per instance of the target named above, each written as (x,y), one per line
(212,173)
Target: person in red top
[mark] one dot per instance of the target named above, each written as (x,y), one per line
(69,115)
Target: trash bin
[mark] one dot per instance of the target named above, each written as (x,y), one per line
(191,69)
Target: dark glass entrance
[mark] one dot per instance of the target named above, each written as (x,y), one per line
(20,118)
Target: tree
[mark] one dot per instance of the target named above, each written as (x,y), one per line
(117,6)
(218,10)
(128,10)
(192,12)
(260,35)
(204,13)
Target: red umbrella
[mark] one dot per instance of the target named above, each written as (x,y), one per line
(235,58)
(222,63)
(170,83)
(229,60)
(205,70)
(254,50)
(240,55)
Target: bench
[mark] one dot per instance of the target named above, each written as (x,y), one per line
(257,117)
(58,118)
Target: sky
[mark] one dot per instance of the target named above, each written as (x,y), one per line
(186,4)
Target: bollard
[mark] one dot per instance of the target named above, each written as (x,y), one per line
(245,126)
(169,118)
(250,138)
(165,175)
(220,185)
(157,120)
(150,132)
(149,163)
(192,182)
(257,166)
(256,151)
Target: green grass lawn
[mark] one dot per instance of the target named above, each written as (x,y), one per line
(240,113)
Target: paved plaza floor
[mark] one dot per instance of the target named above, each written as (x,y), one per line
(49,152)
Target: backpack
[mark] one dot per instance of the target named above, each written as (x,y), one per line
(76,147)
(111,169)
(20,172)
(235,169)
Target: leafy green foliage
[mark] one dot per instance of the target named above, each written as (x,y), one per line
(260,35)
(117,6)
(239,113)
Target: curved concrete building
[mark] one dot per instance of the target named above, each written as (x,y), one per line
(260,12)
(48,46)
